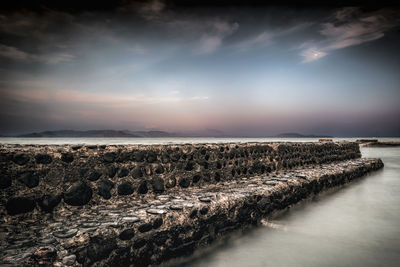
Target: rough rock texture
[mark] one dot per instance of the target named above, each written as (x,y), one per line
(148,204)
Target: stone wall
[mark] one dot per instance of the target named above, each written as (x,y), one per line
(41,177)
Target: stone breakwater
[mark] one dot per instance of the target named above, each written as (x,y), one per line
(143,205)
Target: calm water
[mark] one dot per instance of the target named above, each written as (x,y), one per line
(358,225)
(151,141)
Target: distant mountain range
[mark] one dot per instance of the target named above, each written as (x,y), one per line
(99,133)
(148,134)
(297,135)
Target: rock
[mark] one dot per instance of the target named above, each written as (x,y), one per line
(171,182)
(159,169)
(20,159)
(157,223)
(184,182)
(5,181)
(196,178)
(29,178)
(145,227)
(66,233)
(158,185)
(127,234)
(123,172)
(78,194)
(130,219)
(43,159)
(138,156)
(76,147)
(104,187)
(204,210)
(48,202)
(205,199)
(137,172)
(217,177)
(142,189)
(111,171)
(91,146)
(156,211)
(151,157)
(100,248)
(109,157)
(189,165)
(67,157)
(94,176)
(125,188)
(45,256)
(17,205)
(69,260)
(176,207)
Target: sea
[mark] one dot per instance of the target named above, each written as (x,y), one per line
(355,225)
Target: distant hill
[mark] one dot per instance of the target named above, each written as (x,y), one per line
(297,135)
(99,133)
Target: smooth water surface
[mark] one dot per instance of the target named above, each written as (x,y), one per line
(358,225)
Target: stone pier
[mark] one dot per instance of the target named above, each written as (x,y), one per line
(142,205)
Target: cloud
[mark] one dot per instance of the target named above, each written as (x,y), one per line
(349,27)
(312,54)
(14,53)
(215,32)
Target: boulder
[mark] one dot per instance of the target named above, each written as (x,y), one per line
(78,194)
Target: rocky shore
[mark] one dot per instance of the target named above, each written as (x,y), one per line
(143,205)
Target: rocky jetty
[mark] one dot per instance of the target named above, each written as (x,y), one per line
(377,143)
(143,205)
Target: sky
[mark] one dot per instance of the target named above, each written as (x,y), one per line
(236,70)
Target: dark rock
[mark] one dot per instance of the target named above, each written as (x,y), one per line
(171,182)
(109,157)
(43,159)
(151,157)
(91,147)
(29,178)
(157,223)
(76,147)
(111,171)
(140,242)
(127,234)
(17,205)
(100,248)
(217,177)
(159,169)
(158,184)
(189,165)
(104,187)
(48,202)
(175,157)
(102,146)
(204,210)
(138,156)
(67,157)
(193,213)
(78,194)
(83,171)
(196,178)
(142,189)
(123,172)
(125,188)
(94,176)
(145,227)
(184,182)
(20,159)
(137,172)
(5,181)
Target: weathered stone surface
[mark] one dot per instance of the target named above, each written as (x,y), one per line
(21,159)
(67,233)
(45,256)
(69,260)
(127,234)
(104,187)
(43,159)
(48,202)
(94,176)
(158,185)
(123,172)
(5,181)
(78,194)
(67,157)
(17,205)
(143,189)
(125,188)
